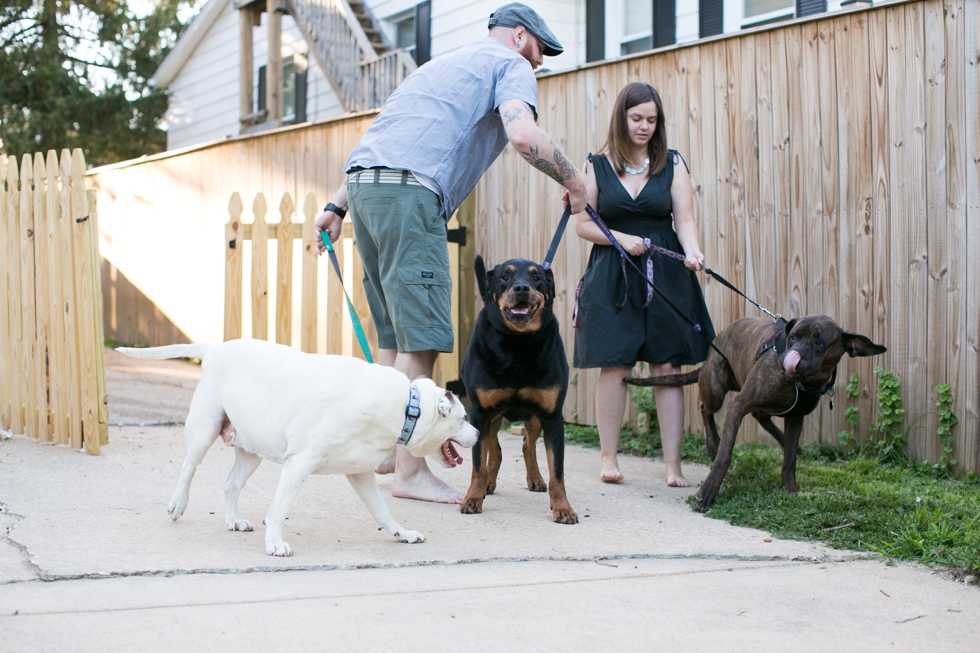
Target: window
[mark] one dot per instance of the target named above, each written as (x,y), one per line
(637,31)
(293,89)
(288,90)
(404,29)
(759,12)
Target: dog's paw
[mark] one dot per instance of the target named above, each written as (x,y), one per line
(242,525)
(176,508)
(471,506)
(411,537)
(537,485)
(280,550)
(565,516)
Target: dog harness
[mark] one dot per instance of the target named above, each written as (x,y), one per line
(412,413)
(806,399)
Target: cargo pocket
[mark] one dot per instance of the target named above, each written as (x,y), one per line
(425,298)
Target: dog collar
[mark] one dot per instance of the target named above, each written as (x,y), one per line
(412,413)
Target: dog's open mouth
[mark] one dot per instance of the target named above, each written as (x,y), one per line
(450,455)
(521,312)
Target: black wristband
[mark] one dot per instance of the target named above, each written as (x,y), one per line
(336,209)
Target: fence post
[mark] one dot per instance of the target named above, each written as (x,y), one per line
(74,416)
(57,351)
(233,269)
(98,343)
(335,304)
(85,286)
(28,327)
(5,371)
(260,270)
(42,305)
(284,271)
(307,332)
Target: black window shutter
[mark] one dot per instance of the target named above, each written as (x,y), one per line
(810,7)
(260,91)
(595,30)
(301,67)
(665,23)
(423,32)
(711,18)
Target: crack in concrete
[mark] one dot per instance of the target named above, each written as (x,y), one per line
(46,577)
(24,553)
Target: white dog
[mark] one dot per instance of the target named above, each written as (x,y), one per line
(314,414)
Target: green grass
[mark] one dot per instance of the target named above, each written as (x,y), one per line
(903,512)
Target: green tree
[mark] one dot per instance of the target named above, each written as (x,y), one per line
(74,73)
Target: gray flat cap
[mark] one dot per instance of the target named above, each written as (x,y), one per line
(515,14)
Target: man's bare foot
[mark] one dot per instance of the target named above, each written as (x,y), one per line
(423,485)
(674,476)
(387,466)
(414,480)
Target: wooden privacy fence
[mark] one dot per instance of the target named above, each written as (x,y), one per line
(836,170)
(339,338)
(52,365)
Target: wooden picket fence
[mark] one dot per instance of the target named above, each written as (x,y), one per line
(52,365)
(339,337)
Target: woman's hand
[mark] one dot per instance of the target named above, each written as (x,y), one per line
(633,245)
(694,261)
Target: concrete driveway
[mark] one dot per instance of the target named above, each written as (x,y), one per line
(91,562)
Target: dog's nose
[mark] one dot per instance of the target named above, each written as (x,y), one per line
(521,289)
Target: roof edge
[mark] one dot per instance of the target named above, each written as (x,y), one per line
(174,62)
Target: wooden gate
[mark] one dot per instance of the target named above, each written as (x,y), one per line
(52,365)
(334,334)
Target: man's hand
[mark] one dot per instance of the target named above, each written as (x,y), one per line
(329,222)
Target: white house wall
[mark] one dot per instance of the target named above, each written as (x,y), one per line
(205,101)
(204,95)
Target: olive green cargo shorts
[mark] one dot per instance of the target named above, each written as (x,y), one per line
(400,232)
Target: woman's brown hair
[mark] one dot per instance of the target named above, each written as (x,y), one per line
(618,143)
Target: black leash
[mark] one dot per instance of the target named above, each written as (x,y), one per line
(556,239)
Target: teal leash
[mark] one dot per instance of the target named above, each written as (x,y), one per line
(358,330)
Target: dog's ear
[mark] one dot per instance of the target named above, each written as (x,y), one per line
(857,345)
(446,402)
(550,276)
(489,292)
(790,325)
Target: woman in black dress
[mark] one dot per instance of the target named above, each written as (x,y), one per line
(643,192)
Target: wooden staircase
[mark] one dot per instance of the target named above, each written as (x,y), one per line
(351,50)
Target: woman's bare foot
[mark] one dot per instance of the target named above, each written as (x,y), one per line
(675,478)
(609,465)
(611,476)
(414,480)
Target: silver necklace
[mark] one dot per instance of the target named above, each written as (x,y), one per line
(636,171)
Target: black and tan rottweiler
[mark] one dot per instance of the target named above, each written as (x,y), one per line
(515,367)
(777,370)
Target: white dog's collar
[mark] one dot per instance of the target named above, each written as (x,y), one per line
(412,413)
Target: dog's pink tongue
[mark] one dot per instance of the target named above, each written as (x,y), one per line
(520,310)
(790,361)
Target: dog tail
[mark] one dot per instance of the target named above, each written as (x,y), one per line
(672,380)
(481,275)
(198,350)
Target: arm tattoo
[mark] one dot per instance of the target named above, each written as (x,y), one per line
(564,170)
(545,166)
(514,114)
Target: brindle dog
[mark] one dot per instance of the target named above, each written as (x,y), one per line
(515,367)
(777,372)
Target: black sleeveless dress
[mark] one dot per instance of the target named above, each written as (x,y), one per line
(618,324)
